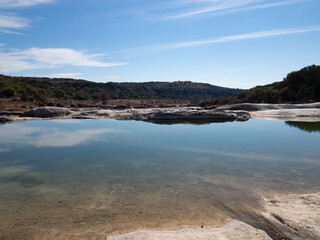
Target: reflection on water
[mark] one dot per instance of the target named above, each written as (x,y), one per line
(87,178)
(190,121)
(305,126)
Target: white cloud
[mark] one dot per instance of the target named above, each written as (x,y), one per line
(65,56)
(7,21)
(37,58)
(21,3)
(64,75)
(140,51)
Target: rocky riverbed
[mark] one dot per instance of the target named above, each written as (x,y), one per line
(236,112)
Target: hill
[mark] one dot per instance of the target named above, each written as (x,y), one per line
(45,89)
(298,87)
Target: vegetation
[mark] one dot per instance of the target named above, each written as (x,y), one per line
(42,89)
(298,87)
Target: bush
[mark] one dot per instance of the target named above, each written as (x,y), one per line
(8,93)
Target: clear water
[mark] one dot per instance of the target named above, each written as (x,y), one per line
(84,179)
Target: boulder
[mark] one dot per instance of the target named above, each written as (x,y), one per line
(47,112)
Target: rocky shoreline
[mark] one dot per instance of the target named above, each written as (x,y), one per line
(289,216)
(236,112)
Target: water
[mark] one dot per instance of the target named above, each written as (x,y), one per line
(84,179)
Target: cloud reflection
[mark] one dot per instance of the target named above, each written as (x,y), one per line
(51,137)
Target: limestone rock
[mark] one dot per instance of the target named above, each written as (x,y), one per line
(47,112)
(293,216)
(234,229)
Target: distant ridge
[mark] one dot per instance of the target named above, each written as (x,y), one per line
(298,87)
(41,89)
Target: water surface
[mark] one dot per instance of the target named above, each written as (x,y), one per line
(83,179)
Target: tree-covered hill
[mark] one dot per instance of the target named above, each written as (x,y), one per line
(298,87)
(42,89)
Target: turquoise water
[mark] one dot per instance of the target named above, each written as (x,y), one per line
(87,178)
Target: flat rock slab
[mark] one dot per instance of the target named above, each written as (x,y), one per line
(234,229)
(303,115)
(293,216)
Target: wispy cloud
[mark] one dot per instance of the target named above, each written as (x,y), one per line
(5,4)
(7,31)
(9,21)
(37,58)
(146,50)
(12,22)
(180,9)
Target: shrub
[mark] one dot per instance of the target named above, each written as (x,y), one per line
(8,93)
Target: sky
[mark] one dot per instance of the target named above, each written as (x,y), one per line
(230,43)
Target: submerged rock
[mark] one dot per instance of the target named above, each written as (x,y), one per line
(293,216)
(233,229)
(47,112)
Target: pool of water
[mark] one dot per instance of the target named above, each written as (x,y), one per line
(84,179)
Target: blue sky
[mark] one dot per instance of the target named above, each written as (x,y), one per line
(232,43)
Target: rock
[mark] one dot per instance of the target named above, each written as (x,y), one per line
(302,115)
(237,112)
(289,112)
(233,229)
(47,112)
(4,119)
(293,216)
(163,114)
